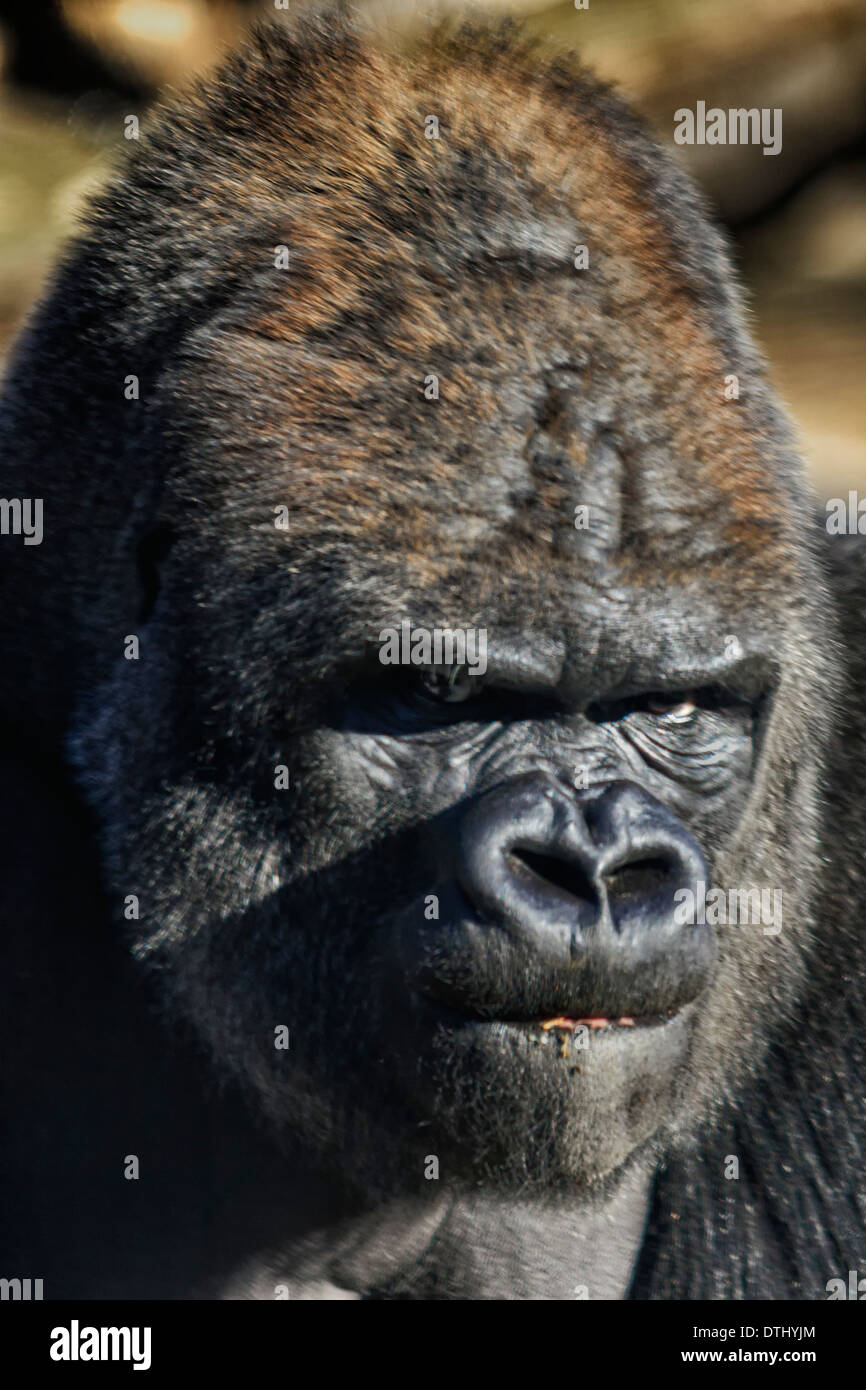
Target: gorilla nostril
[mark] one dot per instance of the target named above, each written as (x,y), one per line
(641,877)
(561,873)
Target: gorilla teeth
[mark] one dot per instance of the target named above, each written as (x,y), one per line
(569,1025)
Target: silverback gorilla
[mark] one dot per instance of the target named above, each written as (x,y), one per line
(384,978)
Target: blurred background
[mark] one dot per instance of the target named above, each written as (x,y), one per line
(70,70)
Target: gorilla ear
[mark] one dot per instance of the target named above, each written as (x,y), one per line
(150,553)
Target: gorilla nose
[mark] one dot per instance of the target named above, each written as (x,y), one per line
(587,878)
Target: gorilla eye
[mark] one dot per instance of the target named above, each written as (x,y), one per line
(677,708)
(677,711)
(448,684)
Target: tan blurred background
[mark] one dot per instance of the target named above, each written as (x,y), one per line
(71,69)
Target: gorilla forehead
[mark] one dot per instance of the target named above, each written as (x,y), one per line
(528,492)
(454,257)
(521,435)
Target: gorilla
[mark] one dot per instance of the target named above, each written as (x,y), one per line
(533,976)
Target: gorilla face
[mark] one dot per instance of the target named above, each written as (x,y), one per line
(449,887)
(444,877)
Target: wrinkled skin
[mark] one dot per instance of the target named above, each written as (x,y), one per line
(657,707)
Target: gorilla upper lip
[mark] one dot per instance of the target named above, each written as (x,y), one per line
(548,1000)
(481,972)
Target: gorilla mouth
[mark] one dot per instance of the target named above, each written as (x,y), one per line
(555,916)
(570,1025)
(599,1023)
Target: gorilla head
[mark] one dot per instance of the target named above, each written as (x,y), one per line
(501,383)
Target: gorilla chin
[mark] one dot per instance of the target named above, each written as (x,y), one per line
(517,1105)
